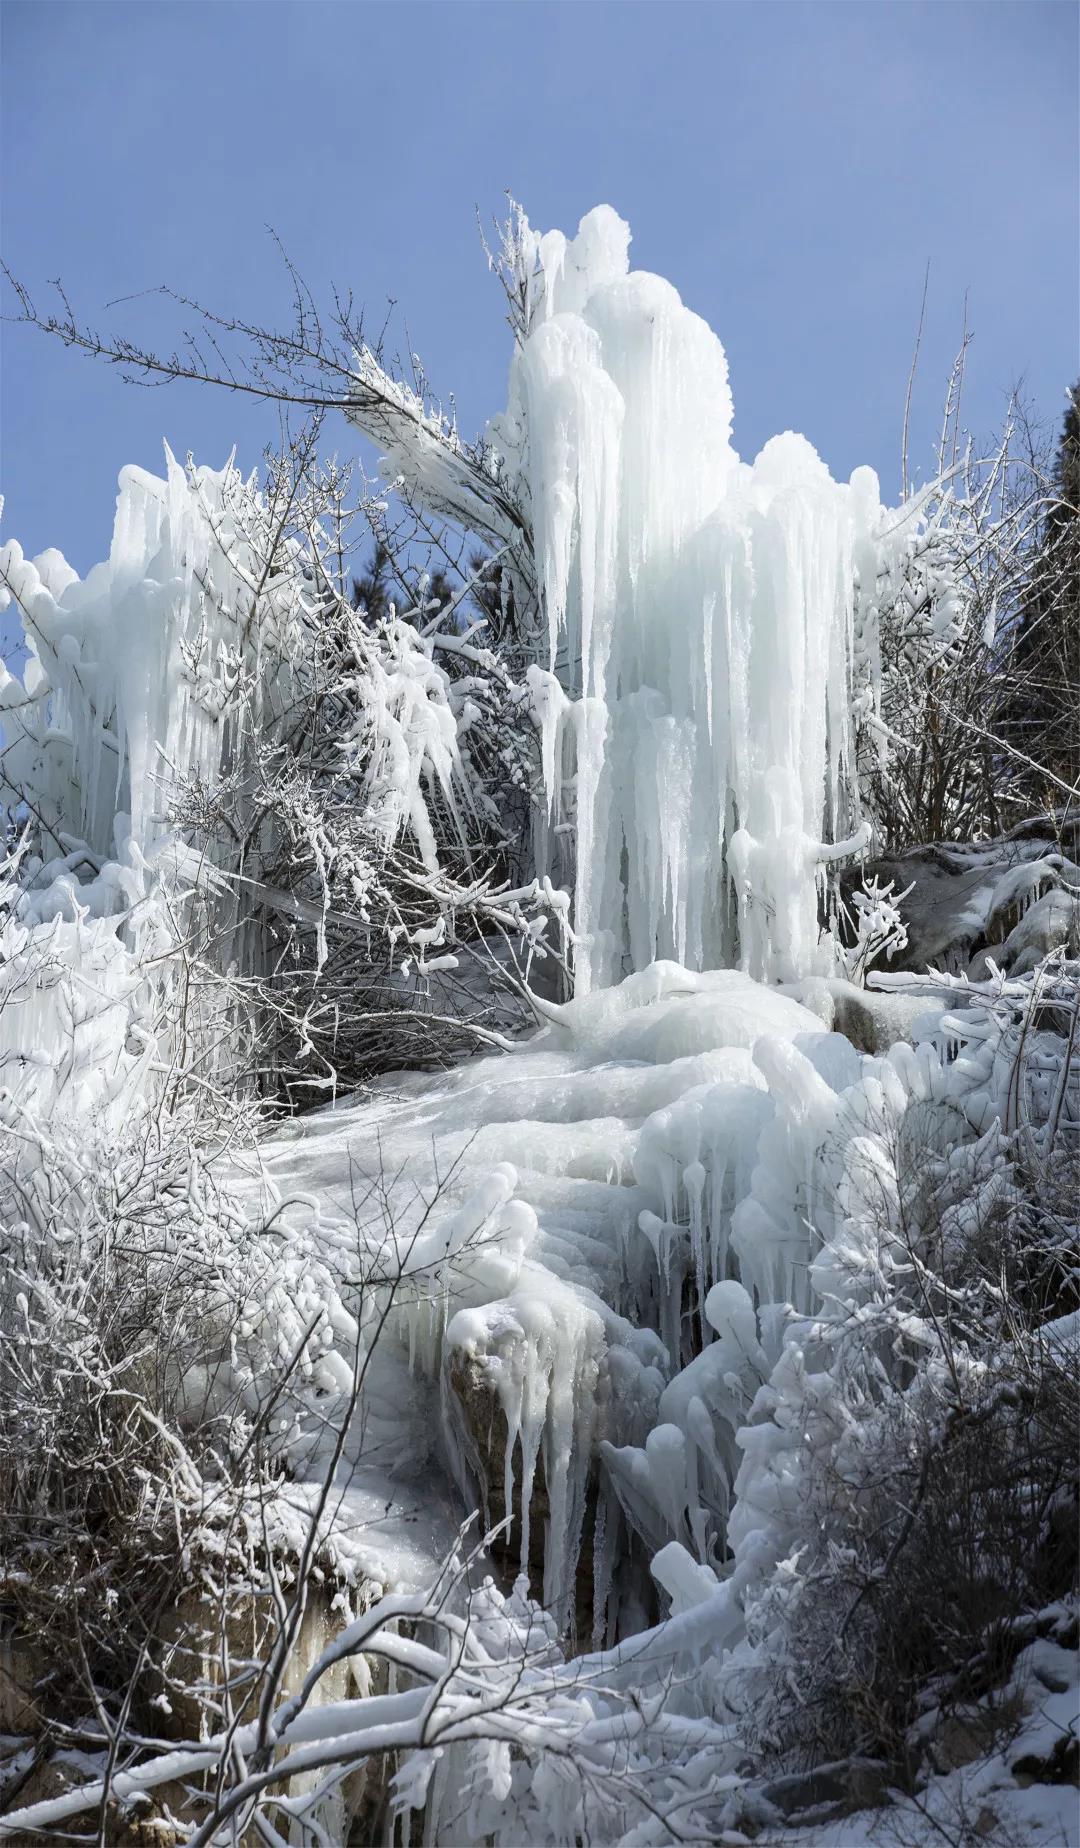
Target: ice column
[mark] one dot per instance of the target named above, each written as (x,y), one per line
(695,686)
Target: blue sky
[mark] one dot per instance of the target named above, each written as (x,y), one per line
(791,168)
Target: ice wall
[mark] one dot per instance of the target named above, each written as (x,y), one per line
(694,685)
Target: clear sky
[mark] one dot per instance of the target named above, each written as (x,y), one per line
(791,167)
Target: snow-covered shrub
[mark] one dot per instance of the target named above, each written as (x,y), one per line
(386,883)
(937,1523)
(479,1723)
(122,1425)
(161,1344)
(936,677)
(331,807)
(910,1468)
(877,925)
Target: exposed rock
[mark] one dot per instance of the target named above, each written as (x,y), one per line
(481,1431)
(1010,899)
(176,1704)
(828,1792)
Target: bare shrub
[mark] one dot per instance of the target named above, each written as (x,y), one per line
(125,1432)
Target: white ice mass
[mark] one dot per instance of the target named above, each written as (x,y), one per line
(696,684)
(630,1317)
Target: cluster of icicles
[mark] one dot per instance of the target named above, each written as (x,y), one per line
(145,678)
(696,697)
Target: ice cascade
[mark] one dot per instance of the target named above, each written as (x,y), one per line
(693,681)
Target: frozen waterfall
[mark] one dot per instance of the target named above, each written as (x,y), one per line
(695,685)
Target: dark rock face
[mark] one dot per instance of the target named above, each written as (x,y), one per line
(481,1431)
(1011,899)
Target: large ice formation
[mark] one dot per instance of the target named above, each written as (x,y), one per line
(695,684)
(160,677)
(636,1282)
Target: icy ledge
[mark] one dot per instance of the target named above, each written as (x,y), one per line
(641,1306)
(638,1208)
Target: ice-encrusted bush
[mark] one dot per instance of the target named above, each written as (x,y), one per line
(920,1426)
(158,1337)
(331,806)
(937,1526)
(383,885)
(132,1428)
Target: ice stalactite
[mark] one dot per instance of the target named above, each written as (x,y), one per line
(695,689)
